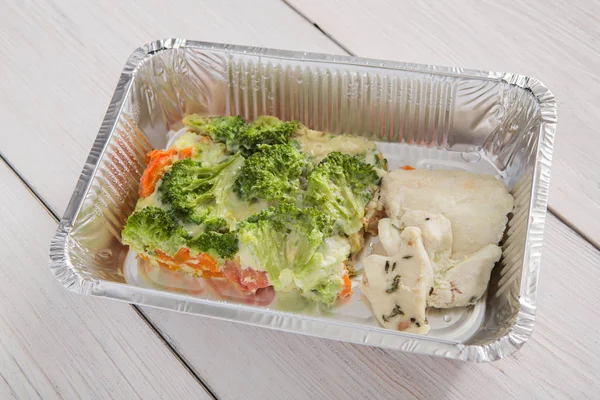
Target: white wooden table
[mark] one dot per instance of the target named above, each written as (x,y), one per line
(59,63)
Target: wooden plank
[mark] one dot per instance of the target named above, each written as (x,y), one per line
(56,344)
(556,42)
(561,359)
(240,361)
(61,61)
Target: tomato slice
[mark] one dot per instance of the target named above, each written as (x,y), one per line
(247,279)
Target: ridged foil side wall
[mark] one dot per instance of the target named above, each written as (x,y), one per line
(508,119)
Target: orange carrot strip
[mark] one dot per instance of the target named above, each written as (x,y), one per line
(407,168)
(157,161)
(186,153)
(202,262)
(347,288)
(182,255)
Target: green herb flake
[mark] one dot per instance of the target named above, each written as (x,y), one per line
(396,311)
(394,286)
(400,228)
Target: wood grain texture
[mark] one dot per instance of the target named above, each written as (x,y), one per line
(55,344)
(561,360)
(82,49)
(557,42)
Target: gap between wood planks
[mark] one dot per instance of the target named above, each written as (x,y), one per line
(137,309)
(550,209)
(141,313)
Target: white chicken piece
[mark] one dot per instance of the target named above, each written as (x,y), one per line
(476,205)
(436,232)
(463,282)
(456,283)
(389,234)
(397,286)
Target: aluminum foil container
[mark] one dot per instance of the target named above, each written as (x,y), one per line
(422,115)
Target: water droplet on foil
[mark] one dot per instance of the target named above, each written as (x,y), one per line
(447,318)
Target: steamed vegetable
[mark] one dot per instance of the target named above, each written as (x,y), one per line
(272,173)
(266,130)
(259,204)
(151,228)
(157,161)
(239,136)
(223,245)
(220,129)
(341,185)
(294,247)
(322,278)
(200,194)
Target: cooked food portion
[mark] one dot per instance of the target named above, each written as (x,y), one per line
(272,206)
(257,204)
(459,283)
(397,285)
(436,231)
(476,205)
(440,205)
(319,144)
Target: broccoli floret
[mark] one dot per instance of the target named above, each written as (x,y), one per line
(150,228)
(239,136)
(266,130)
(220,129)
(284,241)
(197,193)
(321,278)
(286,217)
(216,225)
(272,173)
(341,185)
(224,245)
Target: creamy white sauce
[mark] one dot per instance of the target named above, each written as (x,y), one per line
(187,139)
(319,144)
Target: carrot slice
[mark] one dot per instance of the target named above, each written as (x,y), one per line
(182,255)
(202,262)
(186,153)
(347,287)
(407,168)
(157,161)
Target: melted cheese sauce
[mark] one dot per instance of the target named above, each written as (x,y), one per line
(319,144)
